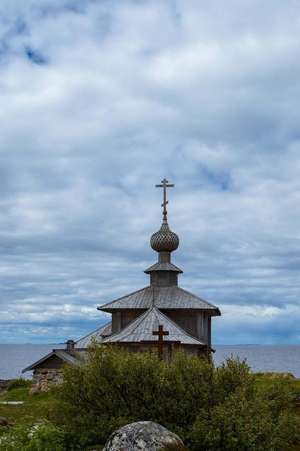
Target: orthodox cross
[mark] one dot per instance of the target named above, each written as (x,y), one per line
(161,334)
(165,184)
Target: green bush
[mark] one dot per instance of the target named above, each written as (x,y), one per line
(18,383)
(42,436)
(209,408)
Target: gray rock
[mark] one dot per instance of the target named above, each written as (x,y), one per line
(141,436)
(4,421)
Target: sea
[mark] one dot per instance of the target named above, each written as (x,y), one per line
(286,358)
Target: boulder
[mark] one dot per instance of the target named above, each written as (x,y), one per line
(4,421)
(141,436)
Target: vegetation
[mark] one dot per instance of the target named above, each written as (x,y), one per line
(35,407)
(220,409)
(18,383)
(42,436)
(223,408)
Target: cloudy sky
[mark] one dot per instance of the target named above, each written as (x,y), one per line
(99,100)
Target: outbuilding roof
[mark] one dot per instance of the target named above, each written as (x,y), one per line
(141,329)
(171,297)
(62,354)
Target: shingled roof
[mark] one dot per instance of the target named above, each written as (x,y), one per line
(171,297)
(141,329)
(98,335)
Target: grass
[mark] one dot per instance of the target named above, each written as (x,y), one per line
(265,380)
(36,406)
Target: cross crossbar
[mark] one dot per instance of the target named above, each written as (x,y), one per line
(165,184)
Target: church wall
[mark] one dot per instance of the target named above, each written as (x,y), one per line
(202,326)
(209,331)
(129,315)
(195,322)
(163,278)
(116,322)
(122,318)
(186,319)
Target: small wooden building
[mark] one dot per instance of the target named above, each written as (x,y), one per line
(48,369)
(160,313)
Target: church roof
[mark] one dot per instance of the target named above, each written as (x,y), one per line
(98,335)
(171,297)
(142,327)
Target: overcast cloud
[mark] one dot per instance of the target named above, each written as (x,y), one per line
(99,100)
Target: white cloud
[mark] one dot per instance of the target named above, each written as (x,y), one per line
(125,94)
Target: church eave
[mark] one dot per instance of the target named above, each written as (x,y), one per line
(164,298)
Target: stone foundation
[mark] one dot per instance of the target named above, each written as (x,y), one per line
(43,379)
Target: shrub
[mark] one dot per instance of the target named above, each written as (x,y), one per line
(236,424)
(42,436)
(209,408)
(18,383)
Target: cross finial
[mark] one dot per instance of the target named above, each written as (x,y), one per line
(165,184)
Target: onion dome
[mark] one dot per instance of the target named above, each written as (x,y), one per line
(164,240)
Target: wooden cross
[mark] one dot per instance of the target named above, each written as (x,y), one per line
(165,184)
(161,334)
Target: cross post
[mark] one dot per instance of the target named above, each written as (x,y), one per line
(161,333)
(165,184)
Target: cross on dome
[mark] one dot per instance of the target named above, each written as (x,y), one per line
(165,184)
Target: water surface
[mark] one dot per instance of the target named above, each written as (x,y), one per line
(286,359)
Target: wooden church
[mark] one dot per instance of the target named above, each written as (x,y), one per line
(162,316)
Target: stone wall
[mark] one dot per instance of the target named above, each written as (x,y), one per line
(4,383)
(44,378)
